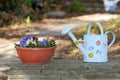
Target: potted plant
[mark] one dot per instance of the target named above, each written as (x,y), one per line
(33,51)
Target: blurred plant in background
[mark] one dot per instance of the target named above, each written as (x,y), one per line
(76,6)
(28,2)
(12,11)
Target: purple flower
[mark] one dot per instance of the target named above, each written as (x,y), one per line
(23,43)
(67,3)
(35,38)
(43,43)
(27,38)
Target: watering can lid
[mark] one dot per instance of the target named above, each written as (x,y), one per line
(66,30)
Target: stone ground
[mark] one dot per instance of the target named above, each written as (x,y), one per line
(65,70)
(57,69)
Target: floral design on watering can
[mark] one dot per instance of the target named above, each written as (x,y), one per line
(98,43)
(91,55)
(98,52)
(95,46)
(90,48)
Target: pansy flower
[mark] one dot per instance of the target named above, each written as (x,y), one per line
(23,43)
(33,42)
(35,38)
(27,37)
(43,43)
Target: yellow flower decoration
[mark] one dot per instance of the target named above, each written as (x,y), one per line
(90,55)
(77,42)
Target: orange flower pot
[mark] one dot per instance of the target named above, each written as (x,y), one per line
(35,55)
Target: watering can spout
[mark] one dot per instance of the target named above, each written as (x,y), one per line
(67,30)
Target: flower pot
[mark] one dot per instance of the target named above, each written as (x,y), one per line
(35,55)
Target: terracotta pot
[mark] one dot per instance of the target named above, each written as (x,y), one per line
(35,55)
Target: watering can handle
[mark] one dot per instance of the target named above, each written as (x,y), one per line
(91,25)
(113,40)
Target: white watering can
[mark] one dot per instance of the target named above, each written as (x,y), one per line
(110,5)
(95,46)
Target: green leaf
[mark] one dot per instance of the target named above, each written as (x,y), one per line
(16,44)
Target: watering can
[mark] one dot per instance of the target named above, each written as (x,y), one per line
(110,5)
(95,46)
